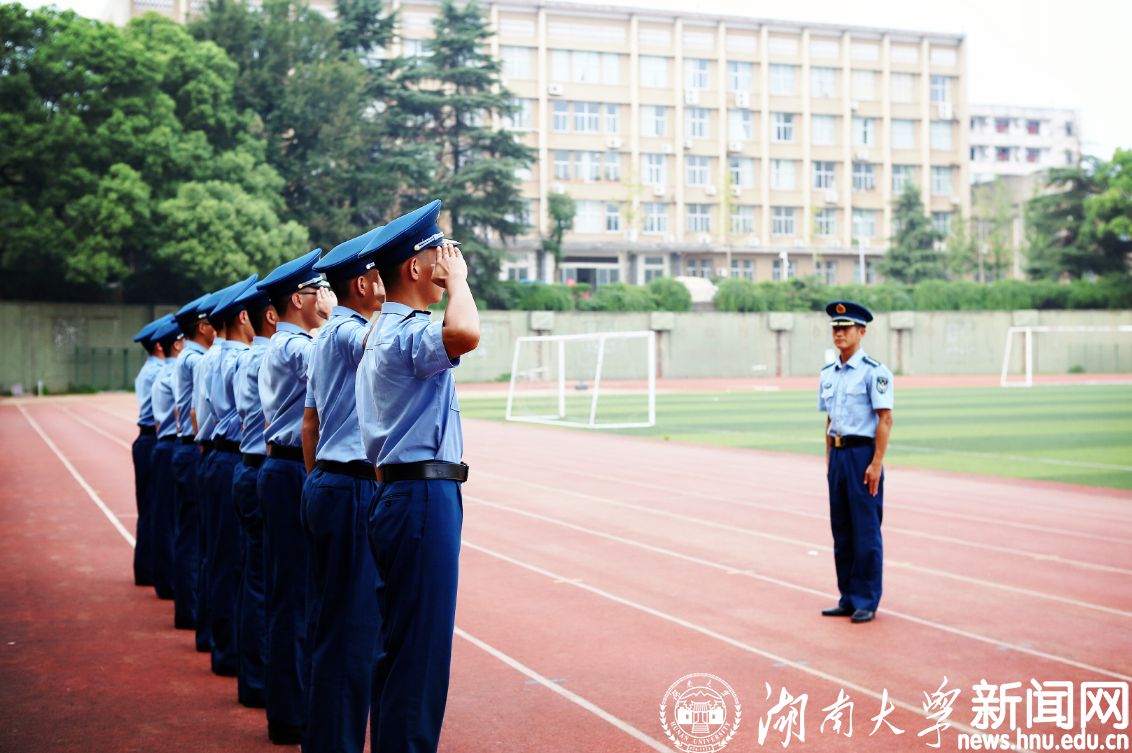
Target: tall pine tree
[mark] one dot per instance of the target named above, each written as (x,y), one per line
(913,257)
(455,102)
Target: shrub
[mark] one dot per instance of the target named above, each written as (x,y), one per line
(670,294)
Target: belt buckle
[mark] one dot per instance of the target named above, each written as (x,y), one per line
(837,441)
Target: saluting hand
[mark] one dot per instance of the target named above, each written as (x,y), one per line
(450,265)
(872,477)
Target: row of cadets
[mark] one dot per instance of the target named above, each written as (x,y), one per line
(162,505)
(143,445)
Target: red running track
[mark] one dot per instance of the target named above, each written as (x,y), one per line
(596,571)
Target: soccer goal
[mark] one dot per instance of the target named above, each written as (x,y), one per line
(1027,353)
(600,380)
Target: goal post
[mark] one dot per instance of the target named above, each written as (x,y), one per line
(599,380)
(1027,333)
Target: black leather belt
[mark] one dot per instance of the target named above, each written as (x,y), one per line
(356,468)
(168,438)
(283,452)
(226,445)
(187,440)
(253,461)
(147,431)
(851,441)
(206,445)
(426,470)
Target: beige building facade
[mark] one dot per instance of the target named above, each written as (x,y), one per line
(1016,141)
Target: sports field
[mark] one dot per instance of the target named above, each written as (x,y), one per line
(1079,434)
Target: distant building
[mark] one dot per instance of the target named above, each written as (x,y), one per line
(1021,140)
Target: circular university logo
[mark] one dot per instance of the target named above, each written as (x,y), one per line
(700,713)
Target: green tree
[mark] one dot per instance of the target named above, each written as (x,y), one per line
(994,218)
(562,209)
(1054,221)
(912,257)
(960,253)
(456,97)
(1106,236)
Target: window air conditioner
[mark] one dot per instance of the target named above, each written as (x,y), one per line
(554,90)
(831,197)
(734,146)
(691,96)
(704,240)
(736,191)
(709,190)
(613,143)
(658,190)
(742,99)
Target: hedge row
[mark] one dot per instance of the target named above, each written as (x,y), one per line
(662,294)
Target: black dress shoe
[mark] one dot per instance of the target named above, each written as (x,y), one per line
(284,734)
(837,612)
(863,615)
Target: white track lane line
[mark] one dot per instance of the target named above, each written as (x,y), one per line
(807,545)
(515,664)
(129,537)
(797,587)
(96,429)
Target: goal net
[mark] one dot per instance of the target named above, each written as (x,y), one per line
(600,380)
(1085,343)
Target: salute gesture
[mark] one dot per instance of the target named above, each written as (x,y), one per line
(449,265)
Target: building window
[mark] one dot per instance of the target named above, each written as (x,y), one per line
(587,117)
(517,63)
(1033,127)
(941,135)
(864,223)
(783,127)
(744,268)
(782,79)
(561,117)
(612,118)
(864,131)
(697,122)
(562,165)
(903,87)
(654,72)
(654,267)
(518,274)
(559,65)
(864,176)
(740,76)
(782,175)
(699,218)
(776,270)
(587,216)
(742,220)
(902,175)
(654,120)
(696,171)
(610,68)
(824,175)
(864,85)
(1002,125)
(612,217)
(941,221)
(826,272)
(823,82)
(520,117)
(825,130)
(740,125)
(613,166)
(415,48)
(782,221)
(587,166)
(941,88)
(1002,154)
(903,134)
(654,169)
(656,219)
(696,73)
(825,222)
(870,272)
(742,171)
(1069,129)
(941,181)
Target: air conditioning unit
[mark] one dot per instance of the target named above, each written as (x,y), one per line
(861,155)
(658,190)
(704,240)
(956,200)
(632,236)
(742,99)
(554,90)
(613,143)
(835,244)
(737,191)
(667,149)
(854,105)
(734,146)
(691,96)
(669,238)
(799,243)
(709,190)
(831,197)
(558,188)
(688,144)
(944,110)
(755,240)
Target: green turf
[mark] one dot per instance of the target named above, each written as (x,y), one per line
(1079,435)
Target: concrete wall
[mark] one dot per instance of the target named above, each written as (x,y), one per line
(60,343)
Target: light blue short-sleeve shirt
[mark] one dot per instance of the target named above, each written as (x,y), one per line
(202,390)
(406,394)
(247,397)
(330,385)
(283,384)
(184,376)
(852,392)
(143,388)
(162,399)
(222,392)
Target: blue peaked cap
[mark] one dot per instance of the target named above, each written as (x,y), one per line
(293,275)
(145,335)
(192,312)
(346,260)
(406,236)
(847,312)
(253,299)
(166,330)
(226,305)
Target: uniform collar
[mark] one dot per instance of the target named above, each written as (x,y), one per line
(192,346)
(235,345)
(154,359)
(853,362)
(260,341)
(291,329)
(400,309)
(346,311)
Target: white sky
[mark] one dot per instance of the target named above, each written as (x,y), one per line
(1041,53)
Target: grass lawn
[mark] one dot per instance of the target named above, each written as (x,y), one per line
(1079,434)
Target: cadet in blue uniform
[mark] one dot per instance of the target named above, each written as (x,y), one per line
(251,640)
(410,426)
(224,535)
(857,393)
(163,511)
(344,622)
(193,319)
(143,448)
(295,291)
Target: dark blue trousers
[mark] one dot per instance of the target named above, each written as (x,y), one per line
(186,548)
(414,533)
(204,594)
(143,549)
(163,517)
(280,488)
(344,622)
(855,517)
(251,628)
(223,561)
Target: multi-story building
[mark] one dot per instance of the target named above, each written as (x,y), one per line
(1021,140)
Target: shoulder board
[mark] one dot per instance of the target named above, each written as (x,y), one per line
(871,361)
(828,366)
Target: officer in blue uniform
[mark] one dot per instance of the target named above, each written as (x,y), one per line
(410,426)
(143,448)
(344,622)
(224,535)
(251,639)
(163,511)
(296,293)
(856,391)
(199,335)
